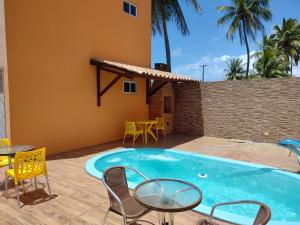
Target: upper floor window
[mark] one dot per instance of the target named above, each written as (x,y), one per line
(130,8)
(129,87)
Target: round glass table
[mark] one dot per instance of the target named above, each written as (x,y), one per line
(10,151)
(168,196)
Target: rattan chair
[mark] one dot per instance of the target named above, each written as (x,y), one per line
(262,217)
(121,202)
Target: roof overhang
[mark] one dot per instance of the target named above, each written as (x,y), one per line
(131,71)
(138,71)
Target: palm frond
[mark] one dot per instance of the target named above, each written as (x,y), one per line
(195,4)
(178,18)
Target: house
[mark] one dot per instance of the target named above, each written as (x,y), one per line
(64,85)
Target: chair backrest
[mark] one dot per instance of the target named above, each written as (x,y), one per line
(30,164)
(4,142)
(160,121)
(130,127)
(263,216)
(115,179)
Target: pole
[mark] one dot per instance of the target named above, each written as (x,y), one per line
(203,66)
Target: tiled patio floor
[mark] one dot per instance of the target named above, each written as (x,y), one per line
(80,199)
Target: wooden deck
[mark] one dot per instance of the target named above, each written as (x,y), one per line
(78,198)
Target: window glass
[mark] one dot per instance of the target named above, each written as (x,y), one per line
(132,88)
(126,7)
(133,10)
(129,8)
(129,87)
(126,87)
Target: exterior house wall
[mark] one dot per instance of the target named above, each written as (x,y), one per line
(4,97)
(52,86)
(157,105)
(259,110)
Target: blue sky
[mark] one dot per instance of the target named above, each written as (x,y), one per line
(207,43)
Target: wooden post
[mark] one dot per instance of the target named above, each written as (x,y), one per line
(147,91)
(98,87)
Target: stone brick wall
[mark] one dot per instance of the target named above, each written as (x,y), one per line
(157,103)
(188,116)
(261,110)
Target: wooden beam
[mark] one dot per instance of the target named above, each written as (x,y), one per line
(147,91)
(110,84)
(98,86)
(157,88)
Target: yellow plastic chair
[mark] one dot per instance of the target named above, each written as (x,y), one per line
(159,126)
(4,159)
(27,165)
(131,130)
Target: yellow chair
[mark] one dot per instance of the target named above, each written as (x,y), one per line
(4,161)
(160,125)
(27,165)
(130,129)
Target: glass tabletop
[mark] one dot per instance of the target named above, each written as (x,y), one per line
(168,195)
(12,150)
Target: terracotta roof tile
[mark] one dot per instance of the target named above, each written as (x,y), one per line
(152,73)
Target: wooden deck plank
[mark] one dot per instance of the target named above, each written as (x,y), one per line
(81,199)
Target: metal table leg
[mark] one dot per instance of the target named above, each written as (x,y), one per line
(171,215)
(9,162)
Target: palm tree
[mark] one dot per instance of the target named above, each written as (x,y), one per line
(235,70)
(245,17)
(270,63)
(287,38)
(164,11)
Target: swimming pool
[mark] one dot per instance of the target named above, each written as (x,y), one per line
(226,180)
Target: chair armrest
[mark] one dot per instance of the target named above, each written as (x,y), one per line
(231,203)
(137,172)
(115,196)
(182,190)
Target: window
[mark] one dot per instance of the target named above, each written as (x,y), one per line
(167,104)
(129,87)
(129,8)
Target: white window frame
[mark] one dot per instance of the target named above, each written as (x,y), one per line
(130,4)
(129,82)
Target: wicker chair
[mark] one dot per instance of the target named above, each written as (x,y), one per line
(121,202)
(263,215)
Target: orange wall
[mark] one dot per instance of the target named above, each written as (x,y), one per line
(52,87)
(3,65)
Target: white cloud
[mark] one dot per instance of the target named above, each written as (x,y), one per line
(296,71)
(176,52)
(215,69)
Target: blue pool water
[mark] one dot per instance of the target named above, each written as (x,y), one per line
(226,180)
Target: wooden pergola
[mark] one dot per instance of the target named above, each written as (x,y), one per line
(130,71)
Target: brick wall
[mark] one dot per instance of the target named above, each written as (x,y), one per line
(188,116)
(157,103)
(262,110)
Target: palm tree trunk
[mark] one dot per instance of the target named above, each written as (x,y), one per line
(167,45)
(291,66)
(166,37)
(287,58)
(248,51)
